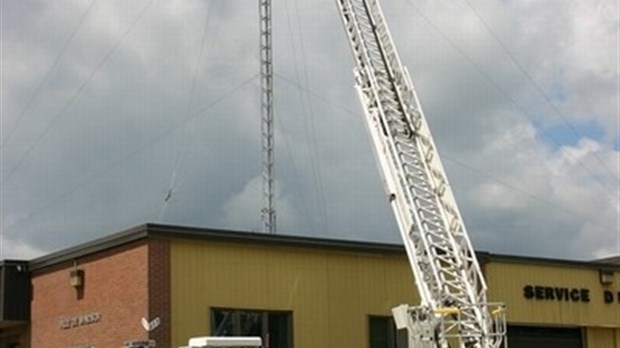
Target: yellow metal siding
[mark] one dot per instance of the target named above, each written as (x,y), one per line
(603,338)
(507,280)
(330,293)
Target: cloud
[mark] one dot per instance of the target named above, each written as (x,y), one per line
(18,249)
(553,203)
(102,156)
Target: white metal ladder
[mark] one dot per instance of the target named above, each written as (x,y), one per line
(444,264)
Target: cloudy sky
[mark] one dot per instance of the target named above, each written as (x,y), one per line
(117,113)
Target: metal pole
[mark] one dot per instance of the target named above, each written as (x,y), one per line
(266,75)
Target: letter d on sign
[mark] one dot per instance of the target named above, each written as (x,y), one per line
(608,296)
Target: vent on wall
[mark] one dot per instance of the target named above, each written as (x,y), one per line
(76,278)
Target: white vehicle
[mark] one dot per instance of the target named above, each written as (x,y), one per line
(454,311)
(208,342)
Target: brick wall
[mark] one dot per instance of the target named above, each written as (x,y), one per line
(159,290)
(113,299)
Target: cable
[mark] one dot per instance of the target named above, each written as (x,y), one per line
(173,184)
(524,192)
(519,66)
(312,118)
(1,129)
(500,89)
(317,95)
(296,172)
(48,74)
(618,140)
(467,166)
(76,94)
(307,110)
(137,151)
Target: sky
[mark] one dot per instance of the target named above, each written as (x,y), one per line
(118,113)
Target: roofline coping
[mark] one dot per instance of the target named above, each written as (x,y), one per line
(552,261)
(271,239)
(90,247)
(199,233)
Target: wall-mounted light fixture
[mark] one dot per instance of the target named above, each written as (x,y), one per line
(606,276)
(76,278)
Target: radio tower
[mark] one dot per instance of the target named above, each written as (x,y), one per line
(266,76)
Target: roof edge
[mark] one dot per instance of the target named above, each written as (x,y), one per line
(200,233)
(552,261)
(190,232)
(93,246)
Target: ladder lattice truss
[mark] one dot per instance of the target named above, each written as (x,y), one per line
(448,277)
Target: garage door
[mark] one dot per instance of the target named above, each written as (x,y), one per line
(544,337)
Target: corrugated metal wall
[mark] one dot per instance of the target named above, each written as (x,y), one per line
(330,293)
(507,281)
(603,338)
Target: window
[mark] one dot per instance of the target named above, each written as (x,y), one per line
(383,333)
(275,327)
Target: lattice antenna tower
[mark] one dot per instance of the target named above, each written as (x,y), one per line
(268,212)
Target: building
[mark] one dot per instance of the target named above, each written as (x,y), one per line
(169,283)
(14,303)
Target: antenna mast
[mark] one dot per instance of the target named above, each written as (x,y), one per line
(266,76)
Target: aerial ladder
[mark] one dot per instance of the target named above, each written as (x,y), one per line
(454,311)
